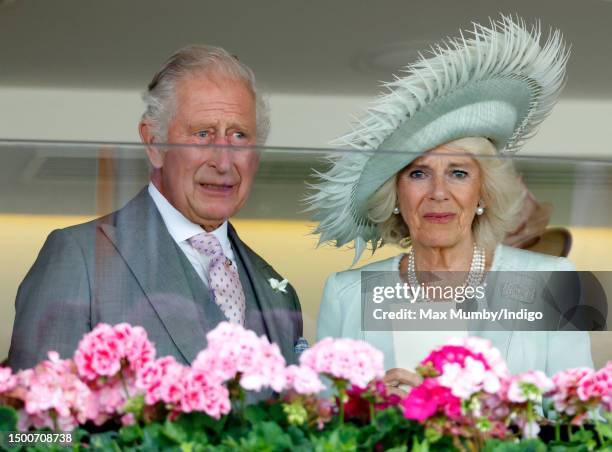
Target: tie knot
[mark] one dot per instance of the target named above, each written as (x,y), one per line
(207,244)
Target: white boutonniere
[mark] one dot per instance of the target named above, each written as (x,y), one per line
(278,286)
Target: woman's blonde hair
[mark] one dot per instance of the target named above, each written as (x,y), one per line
(502,194)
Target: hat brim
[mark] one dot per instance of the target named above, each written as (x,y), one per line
(554,242)
(498,83)
(493,109)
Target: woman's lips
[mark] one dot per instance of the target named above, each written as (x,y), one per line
(439,217)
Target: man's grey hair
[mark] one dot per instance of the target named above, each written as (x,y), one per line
(160,97)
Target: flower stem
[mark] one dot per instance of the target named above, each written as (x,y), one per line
(341,386)
(242,402)
(372,414)
(530,413)
(124,384)
(53,415)
(558,431)
(342,397)
(599,437)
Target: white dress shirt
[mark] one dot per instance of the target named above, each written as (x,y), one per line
(181,230)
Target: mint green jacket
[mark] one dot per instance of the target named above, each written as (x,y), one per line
(548,351)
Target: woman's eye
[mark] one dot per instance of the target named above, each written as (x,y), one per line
(460,174)
(416,174)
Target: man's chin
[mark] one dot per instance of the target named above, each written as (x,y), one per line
(214,219)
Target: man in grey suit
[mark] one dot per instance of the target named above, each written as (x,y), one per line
(169,258)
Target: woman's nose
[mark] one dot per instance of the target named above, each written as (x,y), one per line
(439,188)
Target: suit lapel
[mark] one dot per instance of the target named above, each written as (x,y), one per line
(143,241)
(273,305)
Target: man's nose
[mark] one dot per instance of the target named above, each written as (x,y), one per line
(220,140)
(222,156)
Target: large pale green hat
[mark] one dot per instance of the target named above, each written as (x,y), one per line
(496,82)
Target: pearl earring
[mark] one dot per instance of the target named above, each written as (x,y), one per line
(396,210)
(479,210)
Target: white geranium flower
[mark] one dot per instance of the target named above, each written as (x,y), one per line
(278,286)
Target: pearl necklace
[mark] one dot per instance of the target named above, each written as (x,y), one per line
(474,277)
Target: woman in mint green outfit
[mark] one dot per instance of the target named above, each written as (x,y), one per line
(443,193)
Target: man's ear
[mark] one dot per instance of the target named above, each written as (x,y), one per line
(155,155)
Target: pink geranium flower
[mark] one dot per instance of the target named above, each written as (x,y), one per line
(303,380)
(530,385)
(459,393)
(484,347)
(7,379)
(355,361)
(160,380)
(597,387)
(469,366)
(565,397)
(103,351)
(233,351)
(109,399)
(53,390)
(137,348)
(201,393)
(430,398)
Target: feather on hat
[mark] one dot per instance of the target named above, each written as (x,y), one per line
(495,82)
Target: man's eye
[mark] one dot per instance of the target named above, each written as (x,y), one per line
(202,134)
(239,135)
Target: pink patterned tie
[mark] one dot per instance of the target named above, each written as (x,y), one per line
(223,277)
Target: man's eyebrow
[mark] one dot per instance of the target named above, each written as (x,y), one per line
(212,123)
(202,124)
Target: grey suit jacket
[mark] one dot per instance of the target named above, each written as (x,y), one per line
(125,267)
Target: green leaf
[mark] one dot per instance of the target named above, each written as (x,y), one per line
(255,413)
(104,442)
(272,434)
(135,405)
(432,435)
(8,419)
(156,439)
(420,446)
(343,438)
(199,427)
(530,445)
(604,429)
(298,438)
(175,432)
(390,429)
(568,448)
(585,437)
(264,436)
(130,434)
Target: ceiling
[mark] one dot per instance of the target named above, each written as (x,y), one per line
(308,46)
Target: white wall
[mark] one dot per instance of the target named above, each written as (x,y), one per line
(576,127)
(112,115)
